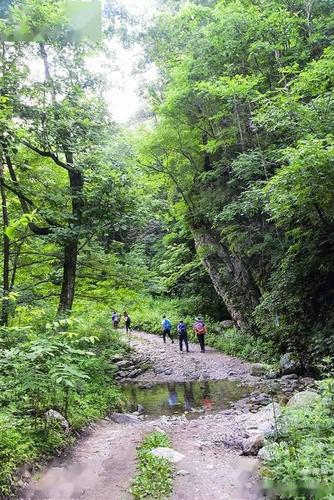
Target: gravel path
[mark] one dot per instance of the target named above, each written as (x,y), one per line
(169,364)
(102,465)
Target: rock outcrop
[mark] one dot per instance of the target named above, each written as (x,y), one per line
(290,363)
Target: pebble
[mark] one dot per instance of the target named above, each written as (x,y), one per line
(182,472)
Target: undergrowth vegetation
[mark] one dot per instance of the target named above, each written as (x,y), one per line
(64,366)
(154,479)
(301,464)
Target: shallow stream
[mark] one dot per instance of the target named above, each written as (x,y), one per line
(190,398)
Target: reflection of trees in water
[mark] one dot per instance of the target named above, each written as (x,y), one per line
(132,398)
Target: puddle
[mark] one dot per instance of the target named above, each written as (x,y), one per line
(176,398)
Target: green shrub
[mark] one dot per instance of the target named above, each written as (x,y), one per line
(15,448)
(236,343)
(301,465)
(65,366)
(154,480)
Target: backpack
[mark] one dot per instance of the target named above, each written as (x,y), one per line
(167,324)
(199,328)
(182,328)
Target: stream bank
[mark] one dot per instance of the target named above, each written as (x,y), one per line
(103,464)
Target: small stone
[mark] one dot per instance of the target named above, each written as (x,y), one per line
(26,474)
(258,370)
(55,416)
(251,445)
(182,472)
(290,376)
(140,409)
(264,453)
(116,358)
(307,381)
(272,375)
(124,363)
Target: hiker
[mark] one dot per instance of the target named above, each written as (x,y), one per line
(200,329)
(115,319)
(183,335)
(166,329)
(127,320)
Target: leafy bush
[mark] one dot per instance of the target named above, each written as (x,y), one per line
(63,367)
(301,465)
(235,343)
(154,479)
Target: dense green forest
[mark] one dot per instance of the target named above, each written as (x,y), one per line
(217,199)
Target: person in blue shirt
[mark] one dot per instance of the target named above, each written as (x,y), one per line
(166,329)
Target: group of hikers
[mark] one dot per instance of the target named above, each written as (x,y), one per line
(199,328)
(115,318)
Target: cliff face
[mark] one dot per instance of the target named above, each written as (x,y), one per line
(231,278)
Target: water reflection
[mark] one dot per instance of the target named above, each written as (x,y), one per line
(172,396)
(191,398)
(207,401)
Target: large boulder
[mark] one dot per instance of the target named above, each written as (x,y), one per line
(55,416)
(263,421)
(303,399)
(290,363)
(169,454)
(125,418)
(251,445)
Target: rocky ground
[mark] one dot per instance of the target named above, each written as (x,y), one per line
(216,449)
(169,364)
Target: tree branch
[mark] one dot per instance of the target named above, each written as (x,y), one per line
(49,154)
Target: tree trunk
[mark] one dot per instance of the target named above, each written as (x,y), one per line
(72,242)
(230,277)
(6,250)
(69,275)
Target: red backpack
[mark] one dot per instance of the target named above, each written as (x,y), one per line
(200,327)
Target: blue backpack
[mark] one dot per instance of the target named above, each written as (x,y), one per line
(167,324)
(182,328)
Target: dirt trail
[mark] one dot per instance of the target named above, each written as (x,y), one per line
(169,364)
(102,465)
